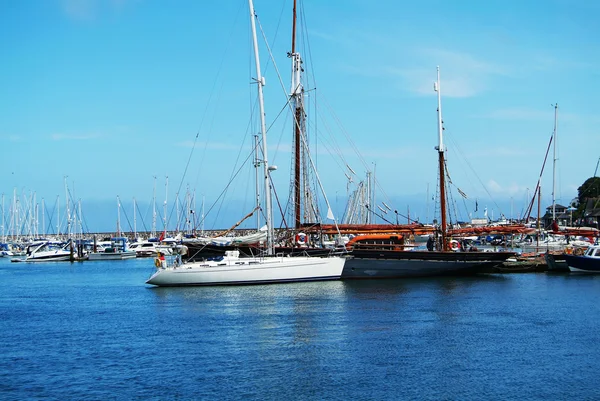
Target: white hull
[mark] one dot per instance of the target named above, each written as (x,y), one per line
(49,258)
(250,271)
(112,255)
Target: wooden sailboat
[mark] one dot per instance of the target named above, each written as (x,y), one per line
(233,269)
(389,263)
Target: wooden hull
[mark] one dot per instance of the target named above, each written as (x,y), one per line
(390,264)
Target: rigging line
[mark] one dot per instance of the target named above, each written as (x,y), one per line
(226,187)
(474,172)
(219,70)
(187,165)
(535,193)
(271,57)
(142,218)
(344,132)
(234,173)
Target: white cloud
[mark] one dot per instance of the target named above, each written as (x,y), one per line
(510,189)
(461,74)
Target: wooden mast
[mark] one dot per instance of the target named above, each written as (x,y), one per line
(440,149)
(297,102)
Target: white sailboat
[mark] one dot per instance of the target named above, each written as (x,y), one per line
(231,269)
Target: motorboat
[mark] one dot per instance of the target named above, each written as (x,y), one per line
(115,249)
(48,251)
(589,262)
(145,249)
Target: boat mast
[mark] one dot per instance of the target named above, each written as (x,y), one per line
(154,209)
(298,106)
(57,215)
(440,149)
(263,128)
(256,178)
(68,211)
(165,206)
(118,216)
(134,222)
(43,216)
(554,164)
(3,236)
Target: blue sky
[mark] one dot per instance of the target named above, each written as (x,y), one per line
(112,94)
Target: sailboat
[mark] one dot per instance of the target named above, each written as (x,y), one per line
(382,263)
(233,269)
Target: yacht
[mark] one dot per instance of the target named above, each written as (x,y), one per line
(47,251)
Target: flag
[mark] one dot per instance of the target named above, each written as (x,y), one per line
(330,214)
(162,236)
(476,205)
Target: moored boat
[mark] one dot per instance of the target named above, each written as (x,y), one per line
(233,269)
(117,249)
(589,262)
(389,259)
(47,251)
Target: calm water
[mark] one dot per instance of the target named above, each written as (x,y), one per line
(96,331)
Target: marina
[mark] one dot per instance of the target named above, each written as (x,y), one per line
(268,201)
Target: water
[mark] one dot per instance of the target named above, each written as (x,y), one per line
(94,330)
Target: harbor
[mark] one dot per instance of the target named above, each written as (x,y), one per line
(299,200)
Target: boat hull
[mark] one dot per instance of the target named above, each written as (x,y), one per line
(49,258)
(368,264)
(251,271)
(556,263)
(583,264)
(112,255)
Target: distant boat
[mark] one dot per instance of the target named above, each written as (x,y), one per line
(117,249)
(231,268)
(589,262)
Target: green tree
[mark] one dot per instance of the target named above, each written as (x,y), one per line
(589,189)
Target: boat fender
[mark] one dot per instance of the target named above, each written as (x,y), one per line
(157,263)
(454,245)
(301,238)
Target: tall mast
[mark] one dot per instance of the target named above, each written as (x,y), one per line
(43,216)
(154,209)
(3,236)
(68,211)
(257,179)
(554,164)
(57,214)
(440,149)
(298,106)
(263,128)
(118,216)
(134,222)
(165,205)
